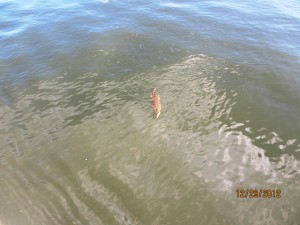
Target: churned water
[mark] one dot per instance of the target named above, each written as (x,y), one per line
(78,140)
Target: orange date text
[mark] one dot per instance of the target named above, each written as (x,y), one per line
(258,193)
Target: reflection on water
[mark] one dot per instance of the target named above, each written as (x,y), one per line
(84,150)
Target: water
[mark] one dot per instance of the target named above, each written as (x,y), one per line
(78,140)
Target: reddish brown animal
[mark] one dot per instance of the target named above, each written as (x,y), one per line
(156,105)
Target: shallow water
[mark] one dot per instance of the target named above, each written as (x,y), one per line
(78,140)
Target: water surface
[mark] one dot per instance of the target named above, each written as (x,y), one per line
(78,140)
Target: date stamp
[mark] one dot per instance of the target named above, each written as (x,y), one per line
(258,193)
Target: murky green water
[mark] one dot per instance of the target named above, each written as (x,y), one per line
(85,151)
(78,140)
